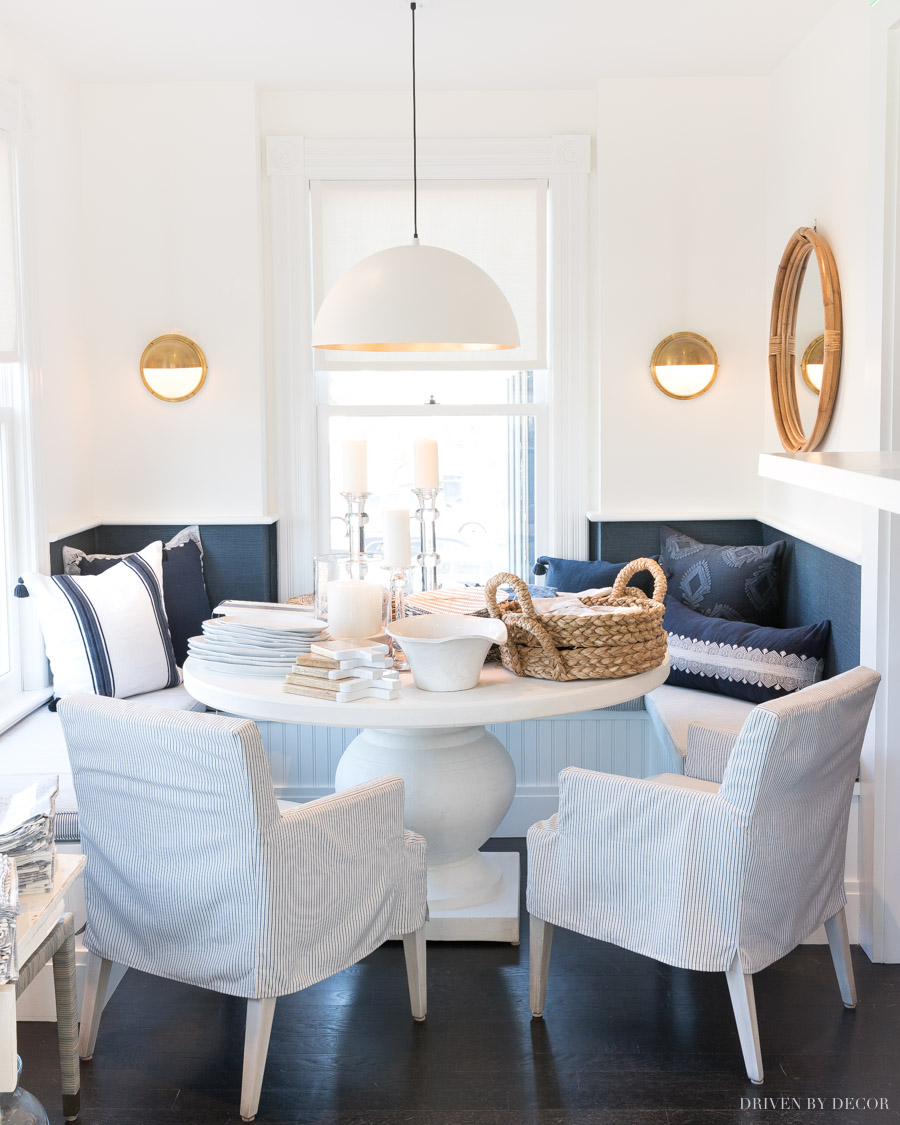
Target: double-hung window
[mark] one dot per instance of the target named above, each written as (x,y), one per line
(487,411)
(21,664)
(511,427)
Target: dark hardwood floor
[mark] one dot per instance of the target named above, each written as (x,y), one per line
(624,1041)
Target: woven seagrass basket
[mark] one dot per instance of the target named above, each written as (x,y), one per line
(596,647)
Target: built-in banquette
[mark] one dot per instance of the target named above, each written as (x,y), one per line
(638,739)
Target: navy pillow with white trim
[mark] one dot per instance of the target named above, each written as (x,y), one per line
(751,662)
(107,634)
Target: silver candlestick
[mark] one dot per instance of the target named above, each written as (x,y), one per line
(395,610)
(356,520)
(427,515)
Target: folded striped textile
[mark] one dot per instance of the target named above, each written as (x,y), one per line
(27,803)
(9,908)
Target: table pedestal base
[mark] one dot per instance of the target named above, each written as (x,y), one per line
(497,920)
(459,783)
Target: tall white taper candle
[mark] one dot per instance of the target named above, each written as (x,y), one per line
(397,546)
(425,462)
(354,478)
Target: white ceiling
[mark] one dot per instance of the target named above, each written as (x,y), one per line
(364,44)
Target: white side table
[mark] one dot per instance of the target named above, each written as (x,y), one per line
(39,917)
(459,778)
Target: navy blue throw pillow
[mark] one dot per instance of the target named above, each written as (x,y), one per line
(572,575)
(736,658)
(184,590)
(739,583)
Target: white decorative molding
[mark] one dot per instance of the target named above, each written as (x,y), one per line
(9,106)
(292,364)
(569,336)
(284,156)
(572,153)
(163,519)
(291,163)
(491,158)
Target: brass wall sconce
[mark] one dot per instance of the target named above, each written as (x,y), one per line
(684,365)
(173,368)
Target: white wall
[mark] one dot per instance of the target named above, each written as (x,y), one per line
(826,130)
(52,206)
(172,236)
(680,236)
(677,202)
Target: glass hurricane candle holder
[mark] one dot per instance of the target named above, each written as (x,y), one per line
(395,610)
(356,520)
(339,566)
(427,515)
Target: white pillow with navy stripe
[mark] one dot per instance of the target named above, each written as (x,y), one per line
(107,633)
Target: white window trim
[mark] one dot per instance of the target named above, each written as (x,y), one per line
(29,520)
(291,162)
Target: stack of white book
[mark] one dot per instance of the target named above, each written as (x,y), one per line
(27,803)
(344,671)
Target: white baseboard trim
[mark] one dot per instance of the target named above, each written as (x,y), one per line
(852,911)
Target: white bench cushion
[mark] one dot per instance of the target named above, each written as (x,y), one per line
(36,744)
(673,709)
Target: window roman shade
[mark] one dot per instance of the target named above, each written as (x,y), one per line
(500,225)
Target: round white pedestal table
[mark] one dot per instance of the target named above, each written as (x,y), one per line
(459,778)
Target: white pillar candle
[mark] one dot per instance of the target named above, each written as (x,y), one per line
(354,608)
(425,460)
(397,547)
(353,478)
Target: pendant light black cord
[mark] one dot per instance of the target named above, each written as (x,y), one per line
(412,8)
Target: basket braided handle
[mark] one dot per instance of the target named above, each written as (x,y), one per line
(505,579)
(528,621)
(659,578)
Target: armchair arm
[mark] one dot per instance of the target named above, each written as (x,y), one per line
(652,867)
(343,876)
(707,753)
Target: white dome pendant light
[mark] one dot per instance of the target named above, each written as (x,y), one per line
(415,298)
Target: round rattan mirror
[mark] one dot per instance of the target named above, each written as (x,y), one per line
(803,245)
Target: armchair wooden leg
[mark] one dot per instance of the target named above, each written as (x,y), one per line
(67,1019)
(256,1047)
(92,1005)
(740,985)
(540,939)
(414,954)
(839,944)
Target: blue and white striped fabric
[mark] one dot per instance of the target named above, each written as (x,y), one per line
(107,633)
(708,751)
(193,874)
(692,878)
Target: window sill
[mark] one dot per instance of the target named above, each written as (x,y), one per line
(21,704)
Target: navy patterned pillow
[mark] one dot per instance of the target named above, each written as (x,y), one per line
(738,583)
(751,662)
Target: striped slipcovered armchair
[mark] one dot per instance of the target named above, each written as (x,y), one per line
(193,874)
(719,877)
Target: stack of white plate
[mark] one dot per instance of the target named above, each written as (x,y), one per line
(250,642)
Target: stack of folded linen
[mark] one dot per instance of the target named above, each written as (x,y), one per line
(9,908)
(255,641)
(26,828)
